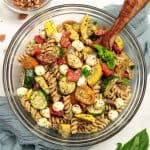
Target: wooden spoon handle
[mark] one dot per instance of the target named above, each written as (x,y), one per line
(129,10)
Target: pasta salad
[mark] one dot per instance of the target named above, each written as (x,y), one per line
(70,82)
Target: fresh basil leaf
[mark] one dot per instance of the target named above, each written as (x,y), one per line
(119,146)
(139,142)
(125,81)
(106,55)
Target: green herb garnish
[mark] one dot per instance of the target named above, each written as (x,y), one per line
(139,142)
(106,55)
(59,51)
(86,72)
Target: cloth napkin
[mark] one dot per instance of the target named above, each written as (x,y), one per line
(14,136)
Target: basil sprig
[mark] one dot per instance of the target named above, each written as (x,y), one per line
(139,142)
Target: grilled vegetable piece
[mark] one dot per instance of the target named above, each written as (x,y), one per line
(50,28)
(28,78)
(28,62)
(64,130)
(65,86)
(86,117)
(45,112)
(85,95)
(97,109)
(96,74)
(38,99)
(119,42)
(74,35)
(74,61)
(84,27)
(40,80)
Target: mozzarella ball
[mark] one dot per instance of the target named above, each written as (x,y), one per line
(57,36)
(45,112)
(58,106)
(39,70)
(22,91)
(119,103)
(91,60)
(78,45)
(87,67)
(112,114)
(99,103)
(63,69)
(43,122)
(81,81)
(76,109)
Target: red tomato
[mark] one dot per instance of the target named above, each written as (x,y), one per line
(83,106)
(73,99)
(61,60)
(37,51)
(65,41)
(125,75)
(46,58)
(38,39)
(56,113)
(106,71)
(116,49)
(73,76)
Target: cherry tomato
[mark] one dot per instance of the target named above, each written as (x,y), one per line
(65,41)
(61,60)
(56,113)
(37,51)
(106,71)
(38,39)
(73,76)
(46,58)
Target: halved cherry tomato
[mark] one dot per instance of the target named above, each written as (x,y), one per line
(125,75)
(106,71)
(56,113)
(38,39)
(73,99)
(61,60)
(72,76)
(46,58)
(37,51)
(83,106)
(65,41)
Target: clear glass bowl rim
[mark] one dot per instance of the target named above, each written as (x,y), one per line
(11,97)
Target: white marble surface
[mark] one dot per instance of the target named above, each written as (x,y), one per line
(9,25)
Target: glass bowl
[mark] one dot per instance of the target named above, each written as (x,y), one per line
(11,69)
(9,4)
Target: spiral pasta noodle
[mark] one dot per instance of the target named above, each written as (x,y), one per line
(74,125)
(67,107)
(27,105)
(101,122)
(51,80)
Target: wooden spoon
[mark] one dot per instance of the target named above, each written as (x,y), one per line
(129,10)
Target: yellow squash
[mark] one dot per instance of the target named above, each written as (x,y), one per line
(96,74)
(119,42)
(85,117)
(64,130)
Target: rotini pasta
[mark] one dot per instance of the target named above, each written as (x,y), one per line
(71,84)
